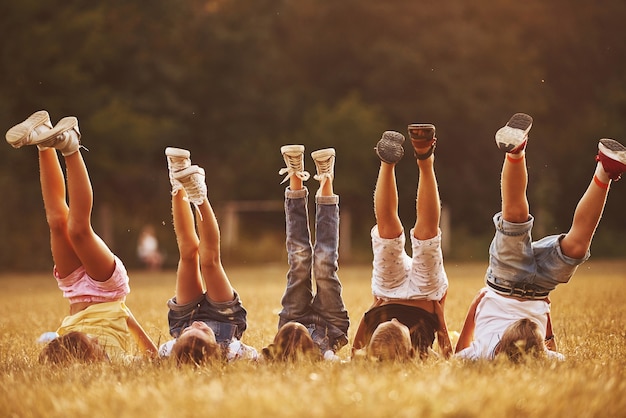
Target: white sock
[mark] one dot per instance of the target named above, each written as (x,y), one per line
(601,174)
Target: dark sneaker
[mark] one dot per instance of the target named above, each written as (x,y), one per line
(389,148)
(422,136)
(612,156)
(512,137)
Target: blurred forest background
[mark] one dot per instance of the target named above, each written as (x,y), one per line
(233,80)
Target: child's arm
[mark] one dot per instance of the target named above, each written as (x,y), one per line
(467,333)
(443,339)
(144,342)
(359,337)
(550,341)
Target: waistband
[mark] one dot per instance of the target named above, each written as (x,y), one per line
(524,292)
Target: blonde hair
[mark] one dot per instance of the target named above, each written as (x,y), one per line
(292,343)
(72,347)
(520,340)
(390,342)
(192,349)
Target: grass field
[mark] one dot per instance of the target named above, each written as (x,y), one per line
(589,316)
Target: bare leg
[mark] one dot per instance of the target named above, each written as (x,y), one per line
(514,182)
(188,277)
(386,202)
(587,215)
(53,192)
(96,257)
(428,204)
(218,286)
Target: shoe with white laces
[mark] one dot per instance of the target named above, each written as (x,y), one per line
(612,156)
(192,180)
(177,159)
(294,159)
(512,137)
(26,132)
(389,148)
(64,136)
(325,164)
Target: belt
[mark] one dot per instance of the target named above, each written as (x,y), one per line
(524,293)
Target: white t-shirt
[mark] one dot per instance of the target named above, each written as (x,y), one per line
(494,314)
(236,350)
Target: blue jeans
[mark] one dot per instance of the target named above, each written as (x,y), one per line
(517,262)
(324,313)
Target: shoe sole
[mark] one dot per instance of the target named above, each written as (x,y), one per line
(191,170)
(514,133)
(323,154)
(177,152)
(421,131)
(18,135)
(613,149)
(389,148)
(292,149)
(63,125)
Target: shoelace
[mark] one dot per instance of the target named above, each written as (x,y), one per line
(196,192)
(175,164)
(324,169)
(294,166)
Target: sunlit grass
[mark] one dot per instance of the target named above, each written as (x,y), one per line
(589,316)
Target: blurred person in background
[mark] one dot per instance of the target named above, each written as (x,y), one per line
(148,249)
(409,292)
(511,314)
(99,326)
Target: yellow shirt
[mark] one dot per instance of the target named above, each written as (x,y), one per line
(104,321)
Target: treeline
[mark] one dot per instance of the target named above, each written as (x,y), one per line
(233,80)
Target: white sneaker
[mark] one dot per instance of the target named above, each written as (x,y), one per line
(192,180)
(512,137)
(64,136)
(26,132)
(294,159)
(177,159)
(325,164)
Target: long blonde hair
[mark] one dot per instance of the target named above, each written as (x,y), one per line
(72,347)
(520,340)
(292,343)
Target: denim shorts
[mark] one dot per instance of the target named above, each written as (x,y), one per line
(226,319)
(516,262)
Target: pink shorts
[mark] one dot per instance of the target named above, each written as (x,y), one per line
(79,287)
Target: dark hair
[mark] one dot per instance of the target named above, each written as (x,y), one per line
(72,347)
(193,349)
(521,340)
(292,343)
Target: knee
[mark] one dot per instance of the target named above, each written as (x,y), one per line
(188,250)
(210,258)
(57,223)
(78,231)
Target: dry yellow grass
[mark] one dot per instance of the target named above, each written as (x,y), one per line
(589,316)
